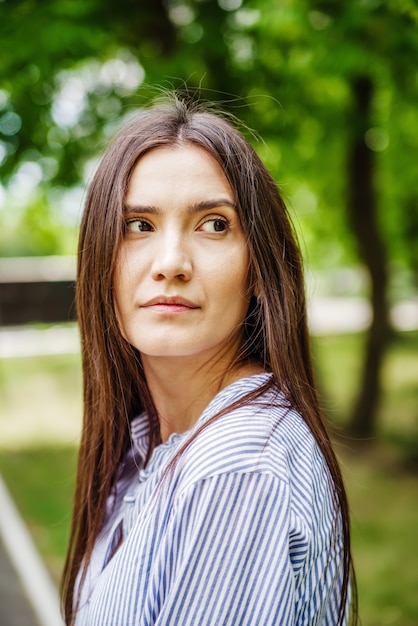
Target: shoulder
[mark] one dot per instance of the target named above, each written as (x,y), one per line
(263,436)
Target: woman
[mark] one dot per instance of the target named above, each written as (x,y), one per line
(208,492)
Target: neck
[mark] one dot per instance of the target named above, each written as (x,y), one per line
(182,388)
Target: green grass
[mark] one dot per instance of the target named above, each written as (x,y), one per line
(40,400)
(41,422)
(41,481)
(384,528)
(382,489)
(338,365)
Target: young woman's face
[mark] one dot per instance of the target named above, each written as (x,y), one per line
(181,283)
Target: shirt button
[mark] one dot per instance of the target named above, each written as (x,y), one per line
(129,498)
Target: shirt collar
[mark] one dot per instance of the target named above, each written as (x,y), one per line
(233,392)
(140,434)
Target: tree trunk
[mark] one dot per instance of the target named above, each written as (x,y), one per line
(362,207)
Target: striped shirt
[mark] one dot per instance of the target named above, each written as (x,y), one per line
(240,532)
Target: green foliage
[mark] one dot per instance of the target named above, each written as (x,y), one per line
(35,229)
(70,71)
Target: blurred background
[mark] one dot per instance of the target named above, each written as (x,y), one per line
(328,90)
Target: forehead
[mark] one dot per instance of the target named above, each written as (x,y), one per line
(171,170)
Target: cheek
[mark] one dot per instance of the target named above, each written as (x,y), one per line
(122,287)
(118,305)
(118,284)
(240,272)
(127,273)
(234,283)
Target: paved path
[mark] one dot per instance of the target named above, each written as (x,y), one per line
(27,594)
(15,609)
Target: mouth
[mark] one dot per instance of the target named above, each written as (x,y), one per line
(170,305)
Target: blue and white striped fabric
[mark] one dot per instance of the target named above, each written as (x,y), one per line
(241,532)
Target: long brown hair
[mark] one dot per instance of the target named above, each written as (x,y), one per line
(115,389)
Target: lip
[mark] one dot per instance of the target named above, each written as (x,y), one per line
(169,304)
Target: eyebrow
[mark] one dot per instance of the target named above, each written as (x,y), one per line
(204,205)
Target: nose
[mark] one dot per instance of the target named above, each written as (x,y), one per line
(172,259)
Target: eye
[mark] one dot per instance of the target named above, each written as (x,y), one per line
(215,225)
(136,225)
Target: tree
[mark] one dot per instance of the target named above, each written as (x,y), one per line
(362,208)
